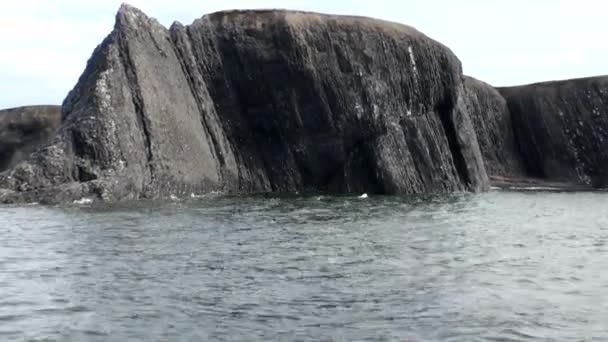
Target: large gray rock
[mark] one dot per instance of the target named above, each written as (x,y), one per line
(258,101)
(23,130)
(562,129)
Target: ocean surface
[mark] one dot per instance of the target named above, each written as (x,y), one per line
(498,266)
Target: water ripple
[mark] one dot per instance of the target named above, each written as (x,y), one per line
(500,266)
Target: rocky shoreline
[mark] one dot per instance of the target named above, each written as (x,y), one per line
(283,101)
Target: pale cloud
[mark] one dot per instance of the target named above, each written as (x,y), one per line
(46,43)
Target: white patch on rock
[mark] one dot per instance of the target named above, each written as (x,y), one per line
(376,111)
(359,110)
(132,14)
(412,59)
(410,50)
(103,91)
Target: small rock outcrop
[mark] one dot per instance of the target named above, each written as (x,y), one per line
(23,130)
(562,129)
(258,101)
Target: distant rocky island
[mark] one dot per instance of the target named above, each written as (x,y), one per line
(286,101)
(23,130)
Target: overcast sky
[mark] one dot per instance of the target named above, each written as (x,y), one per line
(46,43)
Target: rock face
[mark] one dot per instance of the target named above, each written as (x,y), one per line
(24,129)
(258,101)
(551,133)
(494,129)
(562,129)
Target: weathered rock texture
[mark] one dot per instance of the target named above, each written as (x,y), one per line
(562,129)
(24,129)
(258,101)
(551,133)
(494,129)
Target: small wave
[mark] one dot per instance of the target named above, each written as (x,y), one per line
(84,200)
(535,188)
(206,195)
(272,317)
(10,318)
(71,309)
(94,333)
(16,303)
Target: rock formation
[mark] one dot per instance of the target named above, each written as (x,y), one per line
(284,101)
(562,129)
(494,129)
(551,133)
(23,130)
(258,101)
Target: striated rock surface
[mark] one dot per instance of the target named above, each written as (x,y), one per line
(257,101)
(23,130)
(562,129)
(544,134)
(494,129)
(331,103)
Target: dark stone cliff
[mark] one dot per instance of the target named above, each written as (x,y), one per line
(282,101)
(550,133)
(494,129)
(562,129)
(258,101)
(23,130)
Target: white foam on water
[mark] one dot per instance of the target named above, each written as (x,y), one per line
(83,200)
(532,188)
(207,195)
